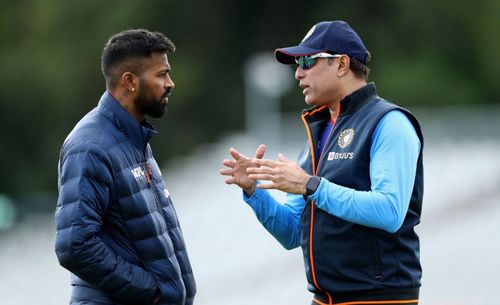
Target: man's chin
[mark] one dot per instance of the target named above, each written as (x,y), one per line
(158,113)
(311,102)
(315,102)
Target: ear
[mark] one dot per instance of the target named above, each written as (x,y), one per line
(129,81)
(344,63)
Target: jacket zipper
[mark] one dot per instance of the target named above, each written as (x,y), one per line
(315,171)
(149,178)
(156,196)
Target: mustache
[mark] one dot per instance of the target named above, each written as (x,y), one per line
(167,93)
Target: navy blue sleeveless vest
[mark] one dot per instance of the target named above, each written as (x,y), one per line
(346,261)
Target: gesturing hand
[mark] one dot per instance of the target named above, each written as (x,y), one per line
(237,169)
(284,175)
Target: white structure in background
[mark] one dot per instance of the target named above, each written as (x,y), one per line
(266,81)
(7,213)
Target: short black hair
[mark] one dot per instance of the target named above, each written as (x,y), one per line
(123,51)
(360,69)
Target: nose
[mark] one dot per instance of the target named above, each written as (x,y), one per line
(299,73)
(169,83)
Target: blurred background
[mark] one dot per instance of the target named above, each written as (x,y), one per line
(437,58)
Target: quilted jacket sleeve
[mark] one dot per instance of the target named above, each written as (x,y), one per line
(85,181)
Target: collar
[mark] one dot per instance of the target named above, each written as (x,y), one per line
(138,133)
(348,104)
(358,98)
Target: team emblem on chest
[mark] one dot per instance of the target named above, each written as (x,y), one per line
(144,173)
(346,137)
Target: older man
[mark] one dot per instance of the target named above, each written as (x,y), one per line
(355,195)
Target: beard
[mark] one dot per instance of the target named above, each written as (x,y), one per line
(150,105)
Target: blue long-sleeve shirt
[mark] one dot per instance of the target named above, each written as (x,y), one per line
(394,153)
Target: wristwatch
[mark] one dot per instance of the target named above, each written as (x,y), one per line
(312,185)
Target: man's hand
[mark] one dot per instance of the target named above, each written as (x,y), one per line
(284,175)
(237,169)
(158,296)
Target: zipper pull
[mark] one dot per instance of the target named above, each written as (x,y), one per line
(149,172)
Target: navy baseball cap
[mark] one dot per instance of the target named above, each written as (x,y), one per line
(327,36)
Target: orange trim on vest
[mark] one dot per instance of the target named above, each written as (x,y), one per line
(370,302)
(315,110)
(314,170)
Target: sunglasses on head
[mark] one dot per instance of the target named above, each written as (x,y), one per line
(306,62)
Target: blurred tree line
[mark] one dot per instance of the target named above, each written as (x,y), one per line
(423,53)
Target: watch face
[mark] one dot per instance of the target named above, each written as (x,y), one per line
(312,185)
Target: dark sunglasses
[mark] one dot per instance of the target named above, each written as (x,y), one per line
(306,62)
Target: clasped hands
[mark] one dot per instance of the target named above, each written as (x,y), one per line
(281,174)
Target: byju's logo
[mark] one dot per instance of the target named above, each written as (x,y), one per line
(340,156)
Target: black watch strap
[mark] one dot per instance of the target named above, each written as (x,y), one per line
(312,185)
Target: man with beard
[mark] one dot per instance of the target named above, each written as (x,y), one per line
(116,227)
